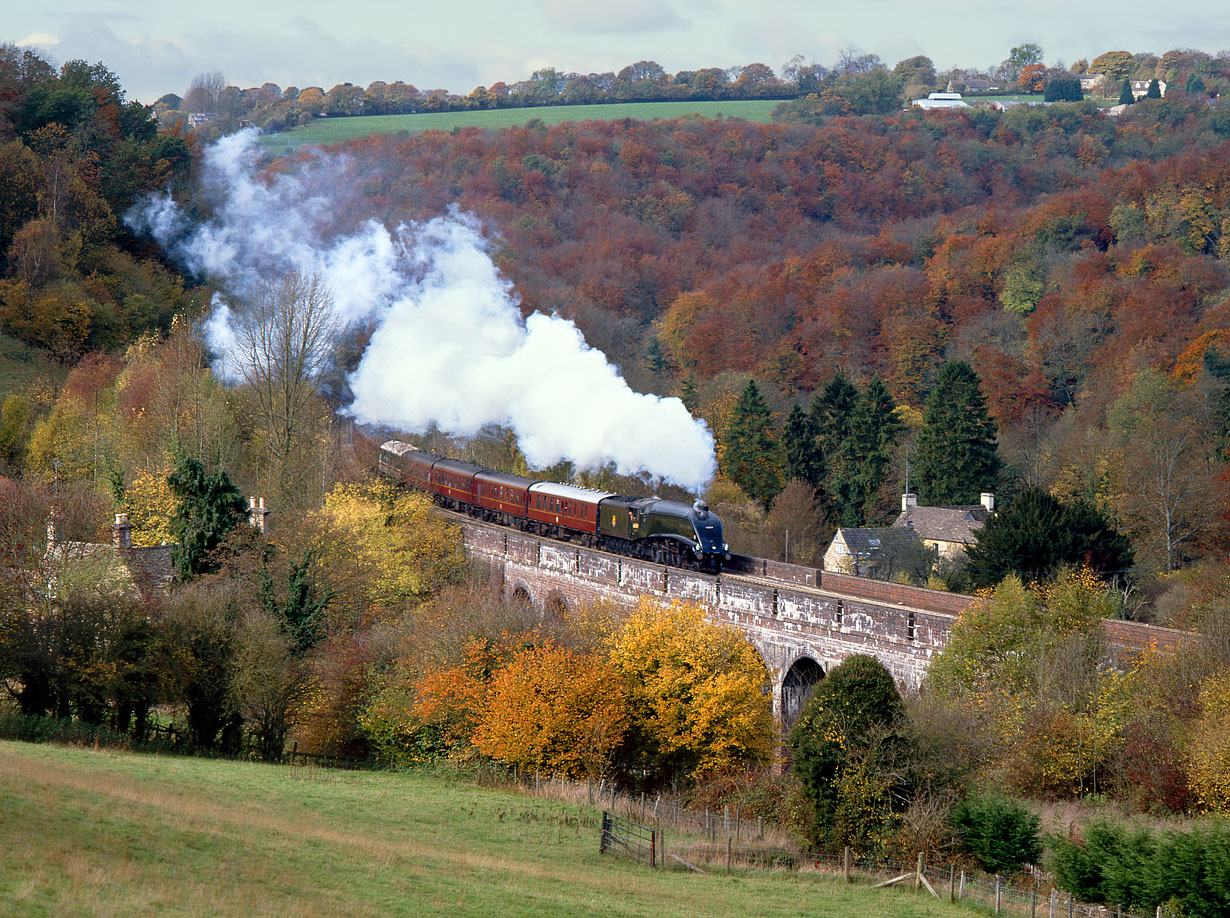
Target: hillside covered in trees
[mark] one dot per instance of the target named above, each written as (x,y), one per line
(1077,262)
(74,155)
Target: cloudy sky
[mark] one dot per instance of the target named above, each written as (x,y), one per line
(155,46)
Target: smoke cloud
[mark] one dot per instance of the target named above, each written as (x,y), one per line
(450,347)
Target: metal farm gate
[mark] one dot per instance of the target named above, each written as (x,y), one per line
(620,836)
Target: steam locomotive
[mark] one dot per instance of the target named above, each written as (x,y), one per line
(663,531)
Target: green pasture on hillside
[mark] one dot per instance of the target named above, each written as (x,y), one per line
(334,130)
(21,365)
(98,832)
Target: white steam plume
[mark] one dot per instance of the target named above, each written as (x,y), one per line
(450,347)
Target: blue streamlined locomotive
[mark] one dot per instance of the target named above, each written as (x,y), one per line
(664,531)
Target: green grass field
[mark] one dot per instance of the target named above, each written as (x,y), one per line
(334,130)
(91,832)
(19,366)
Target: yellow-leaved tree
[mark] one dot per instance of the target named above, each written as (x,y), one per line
(1208,754)
(384,547)
(556,709)
(151,505)
(697,693)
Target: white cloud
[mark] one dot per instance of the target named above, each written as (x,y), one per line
(38,40)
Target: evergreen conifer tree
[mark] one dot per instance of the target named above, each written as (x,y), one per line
(874,431)
(209,507)
(956,455)
(689,396)
(831,412)
(1035,534)
(1155,89)
(752,458)
(800,451)
(1125,93)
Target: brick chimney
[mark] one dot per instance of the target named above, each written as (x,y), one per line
(908,501)
(121,532)
(257,514)
(988,501)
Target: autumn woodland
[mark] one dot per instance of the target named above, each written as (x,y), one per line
(821,290)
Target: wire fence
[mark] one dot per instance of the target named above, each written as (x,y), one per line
(727,839)
(1039,900)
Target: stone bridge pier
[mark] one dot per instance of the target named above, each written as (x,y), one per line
(800,630)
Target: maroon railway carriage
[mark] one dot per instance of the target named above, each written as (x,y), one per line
(502,497)
(453,482)
(565,506)
(396,455)
(416,465)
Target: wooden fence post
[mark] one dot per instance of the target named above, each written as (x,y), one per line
(845,864)
(1054,893)
(1069,905)
(997,893)
(729,850)
(918,872)
(961,895)
(1033,903)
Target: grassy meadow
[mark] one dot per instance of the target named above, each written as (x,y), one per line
(98,832)
(334,130)
(20,366)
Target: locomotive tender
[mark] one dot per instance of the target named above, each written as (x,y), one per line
(663,531)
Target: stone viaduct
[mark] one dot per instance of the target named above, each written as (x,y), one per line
(800,626)
(802,621)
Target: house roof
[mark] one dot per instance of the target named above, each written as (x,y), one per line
(944,524)
(870,541)
(149,570)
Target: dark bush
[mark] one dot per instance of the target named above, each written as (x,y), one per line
(1117,865)
(999,834)
(32,728)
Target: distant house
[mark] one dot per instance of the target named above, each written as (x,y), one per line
(941,100)
(946,529)
(862,551)
(1141,87)
(1002,105)
(1091,82)
(973,85)
(142,572)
